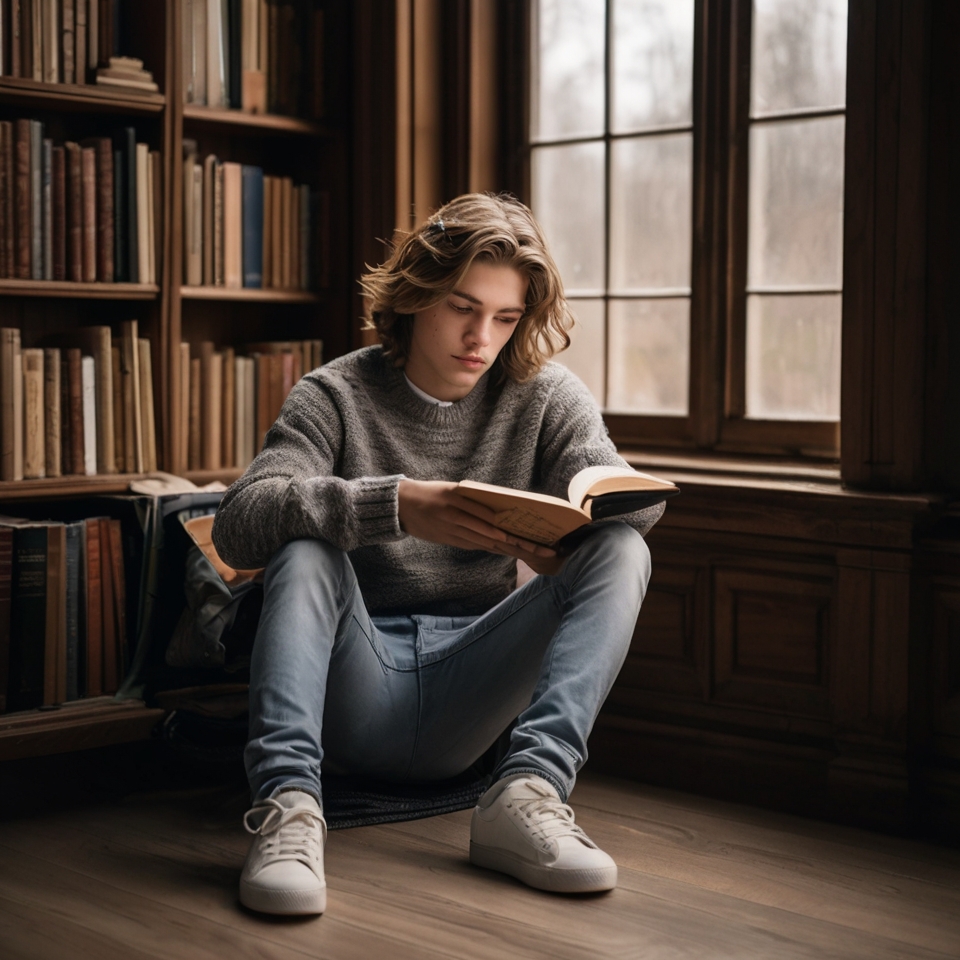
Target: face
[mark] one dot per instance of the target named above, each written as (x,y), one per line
(455,342)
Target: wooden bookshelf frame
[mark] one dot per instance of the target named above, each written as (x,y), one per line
(73,289)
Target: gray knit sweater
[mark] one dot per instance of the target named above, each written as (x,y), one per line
(351,430)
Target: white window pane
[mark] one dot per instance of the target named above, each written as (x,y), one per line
(793,357)
(568,64)
(648,356)
(799,54)
(567,188)
(796,203)
(585,355)
(650,212)
(652,68)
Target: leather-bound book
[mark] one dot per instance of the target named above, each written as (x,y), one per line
(252,207)
(184,421)
(8,243)
(119,595)
(232,225)
(55,648)
(6,593)
(119,411)
(211,416)
(58,203)
(28,614)
(97,341)
(69,39)
(209,189)
(93,607)
(156,215)
(74,212)
(142,204)
(194,459)
(148,427)
(267,269)
(51,411)
(88,381)
(130,371)
(11,405)
(74,537)
(108,611)
(80,38)
(22,205)
(228,456)
(46,208)
(74,415)
(88,187)
(103,148)
(33,440)
(36,200)
(125,141)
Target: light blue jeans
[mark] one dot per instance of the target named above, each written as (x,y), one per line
(422,697)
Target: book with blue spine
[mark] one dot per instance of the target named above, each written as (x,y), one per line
(252,226)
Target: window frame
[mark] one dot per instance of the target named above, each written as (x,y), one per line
(718,276)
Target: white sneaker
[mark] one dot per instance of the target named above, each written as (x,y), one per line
(283,872)
(520,827)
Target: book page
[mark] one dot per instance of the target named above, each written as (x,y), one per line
(594,481)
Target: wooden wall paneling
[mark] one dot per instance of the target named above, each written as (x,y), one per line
(773,633)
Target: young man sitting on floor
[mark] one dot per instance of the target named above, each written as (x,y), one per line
(393,643)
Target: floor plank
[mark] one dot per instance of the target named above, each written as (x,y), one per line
(151,874)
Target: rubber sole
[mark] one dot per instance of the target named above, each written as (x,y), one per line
(551,879)
(291,903)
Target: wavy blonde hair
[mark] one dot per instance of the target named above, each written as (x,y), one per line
(430,262)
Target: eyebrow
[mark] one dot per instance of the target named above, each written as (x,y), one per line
(479,303)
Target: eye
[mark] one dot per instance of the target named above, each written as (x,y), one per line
(508,319)
(461,309)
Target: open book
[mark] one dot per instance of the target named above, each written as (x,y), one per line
(593,494)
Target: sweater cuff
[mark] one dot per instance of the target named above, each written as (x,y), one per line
(375,503)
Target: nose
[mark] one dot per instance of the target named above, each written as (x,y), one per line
(478,333)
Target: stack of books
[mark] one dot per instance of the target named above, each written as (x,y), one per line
(86,407)
(228,400)
(63,622)
(128,73)
(83,211)
(254,55)
(244,229)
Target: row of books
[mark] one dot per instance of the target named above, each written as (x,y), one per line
(57,41)
(63,623)
(87,211)
(244,229)
(82,409)
(254,55)
(228,400)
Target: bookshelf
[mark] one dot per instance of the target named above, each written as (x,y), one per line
(312,150)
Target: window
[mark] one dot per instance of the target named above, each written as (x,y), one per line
(686,162)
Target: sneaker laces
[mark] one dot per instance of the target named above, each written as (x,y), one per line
(287,833)
(549,815)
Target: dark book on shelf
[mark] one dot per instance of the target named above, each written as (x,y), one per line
(93,608)
(119,594)
(74,181)
(252,204)
(74,540)
(88,187)
(103,148)
(73,415)
(111,679)
(125,141)
(234,62)
(53,465)
(22,197)
(6,594)
(36,196)
(58,167)
(46,206)
(80,25)
(7,201)
(28,615)
(69,40)
(54,649)
(120,253)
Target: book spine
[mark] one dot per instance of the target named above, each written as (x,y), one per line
(130,206)
(46,206)
(195,267)
(305,245)
(22,198)
(252,205)
(75,414)
(69,41)
(88,193)
(33,432)
(54,672)
(142,155)
(232,226)
(73,610)
(187,57)
(199,47)
(235,52)
(211,373)
(119,411)
(11,405)
(209,176)
(194,459)
(93,35)
(36,200)
(88,381)
(58,203)
(6,596)
(184,450)
(156,216)
(147,407)
(93,607)
(80,37)
(107,611)
(36,39)
(16,68)
(51,411)
(28,618)
(131,392)
(216,80)
(120,269)
(8,199)
(105,239)
(51,41)
(218,268)
(267,269)
(228,457)
(74,212)
(119,596)
(101,347)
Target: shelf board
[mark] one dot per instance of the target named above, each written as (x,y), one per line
(74,290)
(254,123)
(78,725)
(249,294)
(79,96)
(225,475)
(47,488)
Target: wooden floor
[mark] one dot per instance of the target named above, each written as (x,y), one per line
(94,867)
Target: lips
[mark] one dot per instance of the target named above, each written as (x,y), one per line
(471,361)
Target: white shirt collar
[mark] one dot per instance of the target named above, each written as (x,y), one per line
(426,396)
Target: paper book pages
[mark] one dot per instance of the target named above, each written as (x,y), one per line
(533,516)
(595,481)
